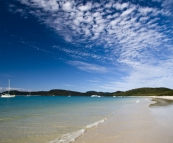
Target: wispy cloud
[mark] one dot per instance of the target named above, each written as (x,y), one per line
(88,67)
(84,54)
(144,75)
(94,81)
(6,75)
(93,21)
(68,85)
(167,3)
(127,34)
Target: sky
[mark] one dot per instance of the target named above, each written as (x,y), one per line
(84,45)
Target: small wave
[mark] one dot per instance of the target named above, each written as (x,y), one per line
(70,137)
(95,124)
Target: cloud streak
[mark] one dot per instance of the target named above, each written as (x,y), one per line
(88,67)
(125,29)
(135,36)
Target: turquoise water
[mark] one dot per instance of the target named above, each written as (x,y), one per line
(44,119)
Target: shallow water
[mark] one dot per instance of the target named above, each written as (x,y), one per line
(45,119)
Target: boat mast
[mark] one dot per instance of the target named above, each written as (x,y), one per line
(9,86)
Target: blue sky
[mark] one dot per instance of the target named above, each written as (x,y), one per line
(86,45)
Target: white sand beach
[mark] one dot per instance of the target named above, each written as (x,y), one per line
(165,97)
(133,123)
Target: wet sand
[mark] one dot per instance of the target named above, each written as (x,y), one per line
(133,123)
(161,102)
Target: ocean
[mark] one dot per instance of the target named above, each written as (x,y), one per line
(54,119)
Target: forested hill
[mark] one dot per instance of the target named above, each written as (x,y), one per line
(134,92)
(146,92)
(60,92)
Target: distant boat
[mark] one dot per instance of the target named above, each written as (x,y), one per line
(95,96)
(8,95)
(69,94)
(28,94)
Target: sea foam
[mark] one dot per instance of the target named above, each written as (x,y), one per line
(70,137)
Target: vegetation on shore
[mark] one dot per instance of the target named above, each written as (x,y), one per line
(147,92)
(134,92)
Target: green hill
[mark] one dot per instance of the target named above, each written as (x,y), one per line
(134,92)
(146,92)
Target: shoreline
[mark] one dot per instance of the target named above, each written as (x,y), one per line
(133,123)
(165,97)
(161,101)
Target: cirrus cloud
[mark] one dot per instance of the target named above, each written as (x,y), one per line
(131,35)
(88,67)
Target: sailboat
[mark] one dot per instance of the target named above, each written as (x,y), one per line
(29,94)
(69,94)
(8,95)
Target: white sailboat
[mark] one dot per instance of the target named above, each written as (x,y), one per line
(69,94)
(95,96)
(29,94)
(8,95)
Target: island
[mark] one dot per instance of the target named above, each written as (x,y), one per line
(145,91)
